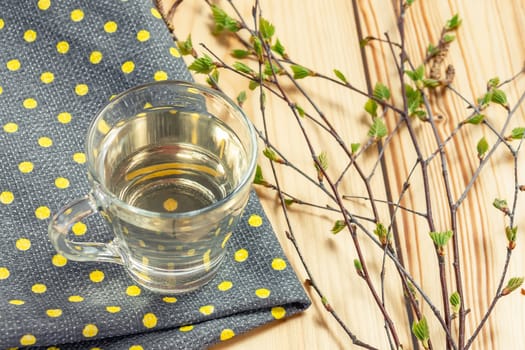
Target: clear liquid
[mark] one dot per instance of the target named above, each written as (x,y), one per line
(164,161)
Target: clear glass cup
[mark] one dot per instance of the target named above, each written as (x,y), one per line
(170,166)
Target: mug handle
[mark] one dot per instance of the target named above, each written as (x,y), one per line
(61,224)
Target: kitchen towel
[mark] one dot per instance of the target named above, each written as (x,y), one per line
(60,61)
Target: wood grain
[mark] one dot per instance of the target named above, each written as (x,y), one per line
(322,36)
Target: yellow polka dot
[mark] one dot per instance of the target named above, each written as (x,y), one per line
(7,197)
(241,255)
(45,141)
(170,204)
(206,259)
(90,330)
(30,35)
(113,309)
(81,89)
(169,300)
(28,339)
(186,328)
(1,90)
(263,293)
(64,117)
(25,167)
(136,347)
(30,103)
(224,286)
(10,127)
(156,13)
(47,77)
(54,312)
(79,157)
(160,75)
(128,67)
(143,35)
(95,57)
(4,273)
(278,312)
(96,276)
(44,4)
(42,212)
(75,299)
(255,220)
(59,260)
(278,264)
(17,302)
(23,244)
(133,291)
(79,228)
(39,288)
(110,27)
(227,334)
(61,182)
(149,320)
(225,240)
(13,65)
(77,15)
(62,47)
(174,52)
(207,309)
(2,23)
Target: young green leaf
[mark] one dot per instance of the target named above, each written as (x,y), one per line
(279,48)
(241,98)
(453,23)
(513,284)
(455,302)
(321,165)
(432,50)
(203,65)
(499,97)
(358,267)
(257,46)
(371,107)
(421,331)
(186,46)
(271,155)
(243,68)
(299,110)
(440,240)
(339,226)
(355,147)
(511,233)
(417,74)
(517,133)
(382,234)
(223,22)
(501,204)
(266,28)
(259,178)
(381,91)
(271,69)
(378,129)
(448,38)
(482,147)
(238,53)
(300,72)
(476,119)
(493,83)
(341,76)
(431,83)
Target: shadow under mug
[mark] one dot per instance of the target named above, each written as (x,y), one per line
(170,165)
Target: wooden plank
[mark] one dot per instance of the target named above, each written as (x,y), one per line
(322,35)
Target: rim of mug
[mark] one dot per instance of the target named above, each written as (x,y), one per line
(247,176)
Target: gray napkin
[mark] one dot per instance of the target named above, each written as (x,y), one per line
(60,60)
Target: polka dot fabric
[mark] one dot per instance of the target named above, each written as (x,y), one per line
(60,61)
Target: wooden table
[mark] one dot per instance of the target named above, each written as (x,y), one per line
(322,36)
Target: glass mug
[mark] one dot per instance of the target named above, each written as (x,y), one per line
(170,166)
